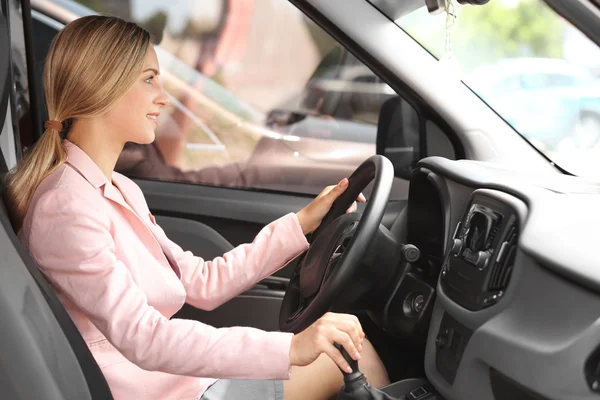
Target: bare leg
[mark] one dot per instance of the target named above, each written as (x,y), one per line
(322,379)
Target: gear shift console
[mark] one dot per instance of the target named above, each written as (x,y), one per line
(356,386)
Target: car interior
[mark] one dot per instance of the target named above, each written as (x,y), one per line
(482,284)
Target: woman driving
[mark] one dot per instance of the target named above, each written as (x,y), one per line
(118,275)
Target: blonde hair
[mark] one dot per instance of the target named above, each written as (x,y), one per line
(92,62)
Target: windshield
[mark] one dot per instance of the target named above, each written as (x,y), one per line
(532,67)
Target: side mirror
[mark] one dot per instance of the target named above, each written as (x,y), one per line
(398,136)
(281,117)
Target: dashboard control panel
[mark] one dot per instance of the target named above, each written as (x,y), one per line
(450,343)
(478,265)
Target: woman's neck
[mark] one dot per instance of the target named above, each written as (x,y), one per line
(97,144)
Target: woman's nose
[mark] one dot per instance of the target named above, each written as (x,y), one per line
(163,98)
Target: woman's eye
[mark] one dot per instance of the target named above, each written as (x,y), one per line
(149,79)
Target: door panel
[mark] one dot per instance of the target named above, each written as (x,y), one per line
(248,309)
(236,216)
(195,236)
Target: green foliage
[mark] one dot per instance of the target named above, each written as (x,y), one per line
(322,40)
(95,5)
(498,30)
(155,24)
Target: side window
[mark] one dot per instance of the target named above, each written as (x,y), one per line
(261,98)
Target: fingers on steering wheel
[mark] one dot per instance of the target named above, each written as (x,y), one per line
(326,191)
(352,208)
(338,189)
(361,197)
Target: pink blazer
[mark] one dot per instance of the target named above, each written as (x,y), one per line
(121,280)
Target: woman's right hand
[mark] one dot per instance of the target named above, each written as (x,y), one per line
(318,338)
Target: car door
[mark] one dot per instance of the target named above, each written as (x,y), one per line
(222,167)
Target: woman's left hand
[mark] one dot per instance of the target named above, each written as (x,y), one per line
(310,217)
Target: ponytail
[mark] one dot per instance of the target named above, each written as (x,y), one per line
(22,181)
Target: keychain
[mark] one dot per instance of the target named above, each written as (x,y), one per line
(448,61)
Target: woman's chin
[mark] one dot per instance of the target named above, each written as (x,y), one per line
(146,139)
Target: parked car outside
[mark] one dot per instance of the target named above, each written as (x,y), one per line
(551,102)
(344,88)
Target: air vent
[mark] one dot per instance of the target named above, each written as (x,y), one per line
(504,261)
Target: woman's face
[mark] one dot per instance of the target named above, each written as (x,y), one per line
(134,116)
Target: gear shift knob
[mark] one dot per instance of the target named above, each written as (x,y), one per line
(356,386)
(354,379)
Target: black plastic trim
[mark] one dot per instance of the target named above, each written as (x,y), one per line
(198,202)
(4,70)
(451,341)
(194,236)
(580,14)
(255,308)
(33,95)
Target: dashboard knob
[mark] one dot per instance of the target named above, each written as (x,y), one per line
(418,303)
(444,338)
(411,253)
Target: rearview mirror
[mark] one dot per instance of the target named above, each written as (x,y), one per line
(397,9)
(437,6)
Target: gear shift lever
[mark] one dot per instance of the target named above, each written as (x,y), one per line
(356,386)
(355,379)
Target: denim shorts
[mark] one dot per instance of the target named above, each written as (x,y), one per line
(235,389)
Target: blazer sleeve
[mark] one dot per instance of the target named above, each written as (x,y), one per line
(209,284)
(70,238)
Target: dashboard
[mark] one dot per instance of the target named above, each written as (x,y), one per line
(514,310)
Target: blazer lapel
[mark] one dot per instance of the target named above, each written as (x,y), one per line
(79,160)
(112,193)
(134,206)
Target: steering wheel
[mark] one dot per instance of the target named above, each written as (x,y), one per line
(336,248)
